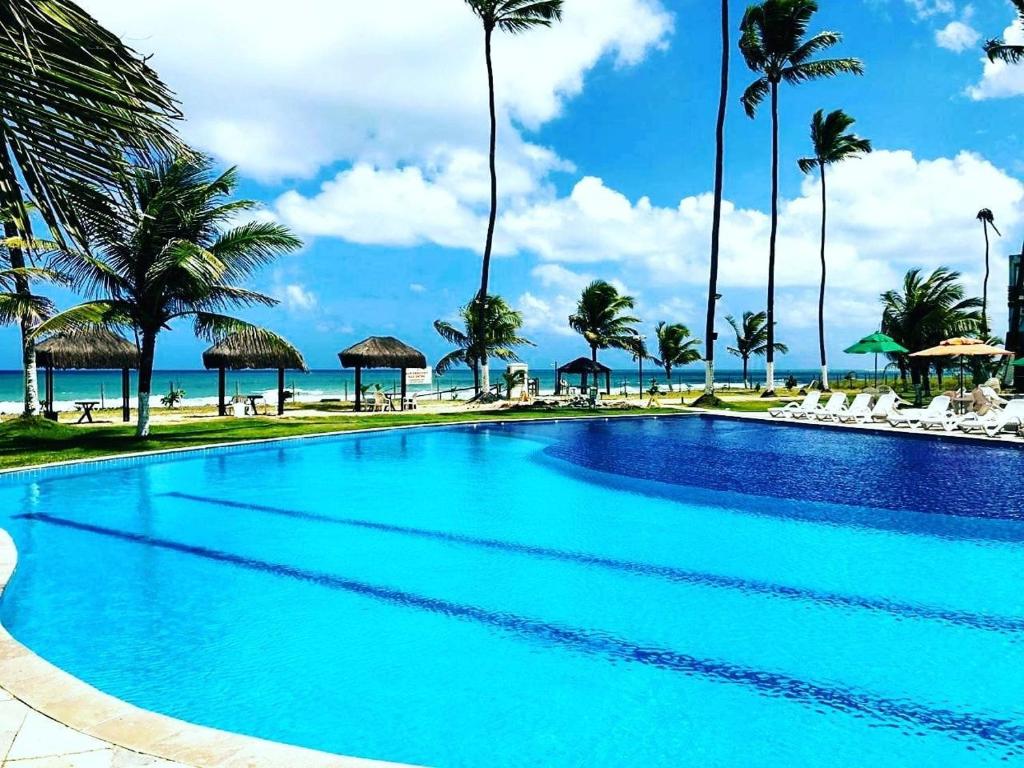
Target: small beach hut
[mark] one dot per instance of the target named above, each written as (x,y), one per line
(252,352)
(585,367)
(380,352)
(93,349)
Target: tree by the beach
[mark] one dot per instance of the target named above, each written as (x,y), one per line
(511,17)
(831,145)
(773,45)
(675,348)
(926,311)
(601,318)
(752,339)
(162,250)
(716,212)
(987,220)
(998,49)
(498,336)
(73,101)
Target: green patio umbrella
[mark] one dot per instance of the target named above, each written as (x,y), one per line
(874,344)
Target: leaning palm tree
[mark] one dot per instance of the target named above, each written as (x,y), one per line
(675,347)
(498,337)
(163,250)
(987,220)
(73,101)
(925,311)
(752,339)
(512,17)
(773,45)
(999,50)
(601,318)
(831,145)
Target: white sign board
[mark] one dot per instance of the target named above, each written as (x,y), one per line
(419,375)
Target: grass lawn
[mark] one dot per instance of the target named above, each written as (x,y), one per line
(27,442)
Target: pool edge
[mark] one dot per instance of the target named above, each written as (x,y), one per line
(61,697)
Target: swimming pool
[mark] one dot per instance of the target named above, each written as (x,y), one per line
(630,592)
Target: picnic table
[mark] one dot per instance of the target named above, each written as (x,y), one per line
(87,407)
(252,399)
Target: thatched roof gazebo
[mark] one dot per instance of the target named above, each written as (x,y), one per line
(93,349)
(381,352)
(252,352)
(585,367)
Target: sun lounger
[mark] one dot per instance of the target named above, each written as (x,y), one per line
(993,397)
(995,421)
(836,404)
(940,418)
(859,410)
(807,407)
(912,417)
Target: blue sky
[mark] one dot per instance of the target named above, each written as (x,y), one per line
(365,132)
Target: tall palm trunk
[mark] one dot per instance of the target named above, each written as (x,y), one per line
(668,376)
(821,293)
(984,287)
(147,353)
(716,216)
(485,271)
(28,345)
(769,387)
(746,365)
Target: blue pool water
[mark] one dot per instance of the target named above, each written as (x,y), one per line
(671,592)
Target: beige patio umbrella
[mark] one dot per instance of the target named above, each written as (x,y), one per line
(962,347)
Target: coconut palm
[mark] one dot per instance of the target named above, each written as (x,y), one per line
(987,220)
(925,311)
(752,339)
(162,250)
(601,318)
(998,50)
(831,145)
(512,17)
(499,338)
(716,213)
(73,101)
(773,45)
(675,347)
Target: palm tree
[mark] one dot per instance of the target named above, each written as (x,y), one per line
(752,339)
(772,42)
(716,216)
(600,318)
(987,220)
(998,50)
(675,348)
(924,312)
(512,17)
(73,101)
(161,250)
(499,338)
(831,145)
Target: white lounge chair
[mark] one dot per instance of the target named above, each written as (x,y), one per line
(912,417)
(993,397)
(808,407)
(995,421)
(836,404)
(859,410)
(940,418)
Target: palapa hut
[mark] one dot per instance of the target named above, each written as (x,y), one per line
(380,352)
(252,352)
(93,349)
(585,367)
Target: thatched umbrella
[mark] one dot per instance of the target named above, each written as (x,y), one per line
(251,351)
(585,367)
(91,349)
(380,352)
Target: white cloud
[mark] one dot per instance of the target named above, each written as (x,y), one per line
(417,287)
(297,298)
(957,37)
(925,9)
(285,93)
(999,79)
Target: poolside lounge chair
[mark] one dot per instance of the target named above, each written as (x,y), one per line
(912,417)
(859,410)
(836,404)
(995,421)
(940,418)
(884,405)
(808,407)
(993,397)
